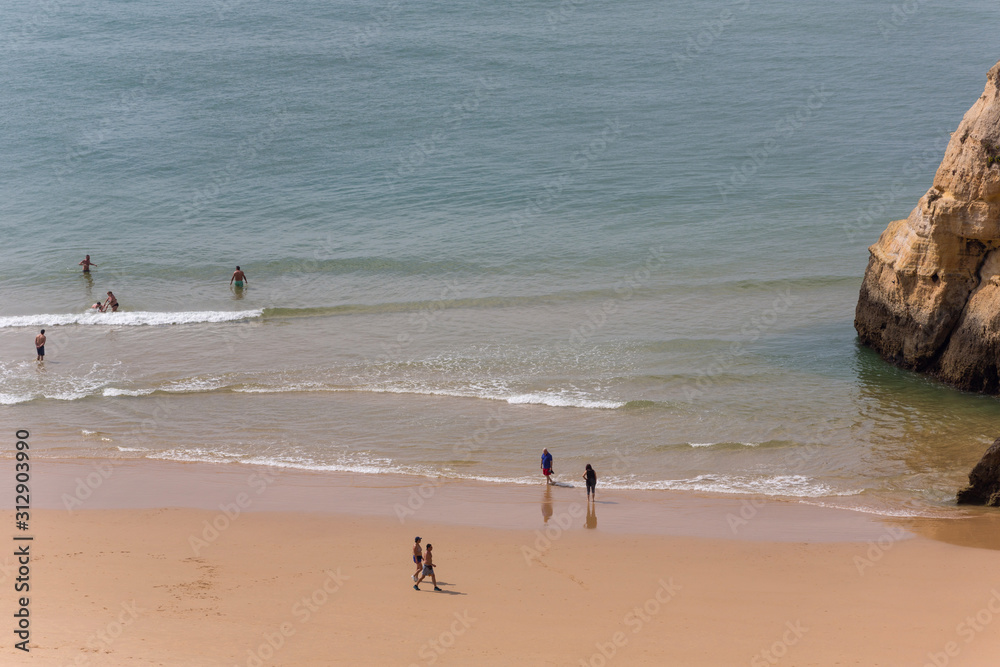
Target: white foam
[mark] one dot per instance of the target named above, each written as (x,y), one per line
(792,486)
(713,444)
(12,399)
(194,385)
(128,319)
(303,386)
(556,400)
(360,463)
(115,391)
(196,455)
(67,395)
(903,513)
(560,401)
(798,486)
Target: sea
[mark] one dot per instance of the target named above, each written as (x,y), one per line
(632,233)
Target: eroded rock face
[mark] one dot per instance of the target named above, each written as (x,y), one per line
(930,300)
(984,480)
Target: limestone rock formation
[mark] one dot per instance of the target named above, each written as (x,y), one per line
(984,480)
(930,300)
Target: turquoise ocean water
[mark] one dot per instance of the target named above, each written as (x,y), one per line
(631,233)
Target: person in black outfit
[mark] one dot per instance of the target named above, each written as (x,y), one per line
(591,478)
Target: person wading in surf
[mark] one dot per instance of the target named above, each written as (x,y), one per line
(547,466)
(239,277)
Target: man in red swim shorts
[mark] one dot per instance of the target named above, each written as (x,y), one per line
(547,466)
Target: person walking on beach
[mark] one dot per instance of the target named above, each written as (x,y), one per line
(591,478)
(86,264)
(111,302)
(239,277)
(547,466)
(418,557)
(428,569)
(40,346)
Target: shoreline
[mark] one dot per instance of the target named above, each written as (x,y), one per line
(127,484)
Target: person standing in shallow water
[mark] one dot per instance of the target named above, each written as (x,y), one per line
(591,478)
(40,346)
(239,278)
(86,264)
(111,302)
(547,466)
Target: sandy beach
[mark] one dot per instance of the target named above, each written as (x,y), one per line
(267,567)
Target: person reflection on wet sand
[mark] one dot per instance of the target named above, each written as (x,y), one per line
(547,504)
(591,515)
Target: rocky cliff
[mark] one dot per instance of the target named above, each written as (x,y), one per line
(930,300)
(984,480)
